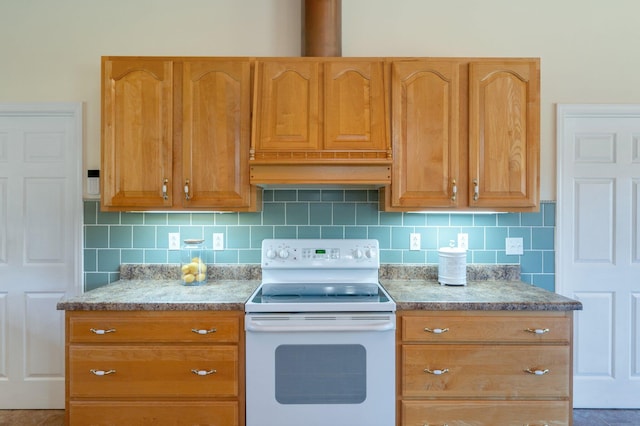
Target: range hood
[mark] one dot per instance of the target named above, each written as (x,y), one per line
(288,166)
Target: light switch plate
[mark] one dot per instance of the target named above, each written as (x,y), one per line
(514,246)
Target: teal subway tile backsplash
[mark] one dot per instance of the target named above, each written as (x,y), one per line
(112,238)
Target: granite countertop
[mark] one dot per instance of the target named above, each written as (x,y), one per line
(489,295)
(158,287)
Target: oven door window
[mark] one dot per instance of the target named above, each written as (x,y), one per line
(321,374)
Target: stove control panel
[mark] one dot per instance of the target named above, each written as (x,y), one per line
(306,253)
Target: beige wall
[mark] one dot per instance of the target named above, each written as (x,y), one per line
(590,49)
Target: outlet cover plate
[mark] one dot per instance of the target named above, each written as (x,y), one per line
(463,240)
(174,241)
(414,241)
(218,241)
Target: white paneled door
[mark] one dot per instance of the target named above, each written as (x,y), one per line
(40,247)
(598,248)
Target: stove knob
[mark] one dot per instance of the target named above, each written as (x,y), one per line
(271,254)
(357,254)
(283,253)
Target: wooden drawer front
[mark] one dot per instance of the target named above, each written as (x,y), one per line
(490,413)
(156,326)
(222,413)
(484,328)
(158,371)
(485,371)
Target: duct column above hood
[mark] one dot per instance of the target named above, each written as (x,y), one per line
(321,28)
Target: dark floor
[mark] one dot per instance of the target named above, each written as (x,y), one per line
(584,417)
(581,417)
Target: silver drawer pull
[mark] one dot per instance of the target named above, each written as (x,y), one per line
(436,330)
(102,372)
(433,424)
(203,372)
(537,330)
(436,372)
(537,424)
(100,331)
(537,372)
(200,331)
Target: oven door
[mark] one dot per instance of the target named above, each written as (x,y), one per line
(320,369)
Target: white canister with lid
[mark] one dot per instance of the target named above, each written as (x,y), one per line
(452,266)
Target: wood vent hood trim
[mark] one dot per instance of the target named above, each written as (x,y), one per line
(336,175)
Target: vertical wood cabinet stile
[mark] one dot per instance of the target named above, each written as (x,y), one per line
(488,367)
(175,134)
(142,367)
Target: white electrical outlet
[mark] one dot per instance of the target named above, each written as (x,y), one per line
(218,241)
(514,246)
(414,241)
(174,241)
(463,241)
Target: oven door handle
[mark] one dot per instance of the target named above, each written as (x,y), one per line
(273,328)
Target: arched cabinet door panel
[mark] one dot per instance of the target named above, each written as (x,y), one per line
(504,133)
(137,133)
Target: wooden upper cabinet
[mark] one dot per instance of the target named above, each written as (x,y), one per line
(176,134)
(137,133)
(504,133)
(287,105)
(215,137)
(354,109)
(425,133)
(466,134)
(319,109)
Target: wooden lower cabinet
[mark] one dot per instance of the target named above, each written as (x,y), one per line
(213,413)
(484,368)
(155,367)
(467,413)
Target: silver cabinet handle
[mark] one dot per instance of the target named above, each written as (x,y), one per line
(436,330)
(165,183)
(476,190)
(201,331)
(537,372)
(203,372)
(436,372)
(537,330)
(102,372)
(101,331)
(454,191)
(186,190)
(433,424)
